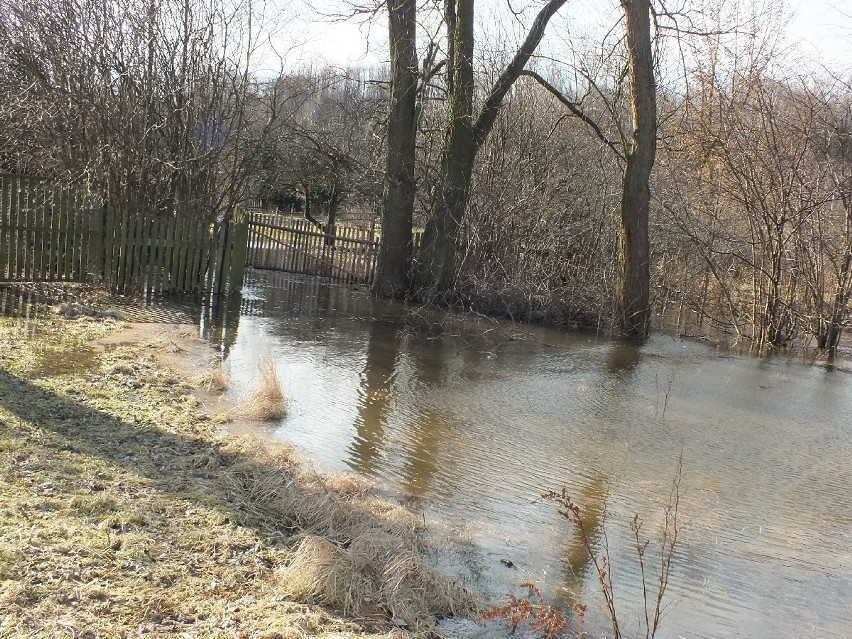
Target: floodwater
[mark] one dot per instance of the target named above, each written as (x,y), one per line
(470,420)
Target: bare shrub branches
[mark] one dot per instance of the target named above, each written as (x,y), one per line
(549,622)
(151,102)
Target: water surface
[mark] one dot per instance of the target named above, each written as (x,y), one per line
(470,420)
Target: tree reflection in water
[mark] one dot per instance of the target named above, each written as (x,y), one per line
(375,396)
(576,564)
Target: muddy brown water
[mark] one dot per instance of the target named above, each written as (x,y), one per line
(470,420)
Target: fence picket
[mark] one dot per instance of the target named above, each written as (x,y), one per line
(26,244)
(135,234)
(52,234)
(19,242)
(96,235)
(353,254)
(168,239)
(293,243)
(33,236)
(5,225)
(121,246)
(67,240)
(238,253)
(38,234)
(194,259)
(159,249)
(4,228)
(106,261)
(68,252)
(83,233)
(169,256)
(76,237)
(179,252)
(6,256)
(147,250)
(61,232)
(343,254)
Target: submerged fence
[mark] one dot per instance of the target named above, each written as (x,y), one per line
(55,232)
(343,254)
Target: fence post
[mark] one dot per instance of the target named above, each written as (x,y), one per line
(239,235)
(96,243)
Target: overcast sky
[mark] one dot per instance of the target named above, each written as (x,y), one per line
(822,29)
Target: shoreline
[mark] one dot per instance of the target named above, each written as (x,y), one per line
(127,510)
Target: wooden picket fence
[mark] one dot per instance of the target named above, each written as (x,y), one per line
(55,232)
(345,254)
(44,231)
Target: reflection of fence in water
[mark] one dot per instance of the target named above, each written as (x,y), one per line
(281,294)
(22,304)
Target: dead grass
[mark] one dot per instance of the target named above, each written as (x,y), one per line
(123,511)
(377,576)
(267,402)
(214,380)
(163,344)
(358,554)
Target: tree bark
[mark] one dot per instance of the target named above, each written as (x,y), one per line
(634,297)
(436,260)
(395,251)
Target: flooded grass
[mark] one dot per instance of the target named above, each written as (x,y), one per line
(267,402)
(124,510)
(214,380)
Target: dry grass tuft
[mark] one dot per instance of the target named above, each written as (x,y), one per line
(214,380)
(346,484)
(260,490)
(359,554)
(163,344)
(120,368)
(266,403)
(377,575)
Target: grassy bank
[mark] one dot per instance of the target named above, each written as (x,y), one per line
(124,510)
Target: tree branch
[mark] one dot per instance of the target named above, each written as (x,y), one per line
(577,112)
(513,70)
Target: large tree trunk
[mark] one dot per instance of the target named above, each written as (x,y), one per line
(436,260)
(436,264)
(635,303)
(398,203)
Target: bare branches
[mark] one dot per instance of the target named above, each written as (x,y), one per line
(514,68)
(577,111)
(153,99)
(548,622)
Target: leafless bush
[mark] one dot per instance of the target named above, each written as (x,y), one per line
(549,622)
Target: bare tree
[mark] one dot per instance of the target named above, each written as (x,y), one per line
(150,102)
(635,303)
(636,149)
(764,250)
(436,261)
